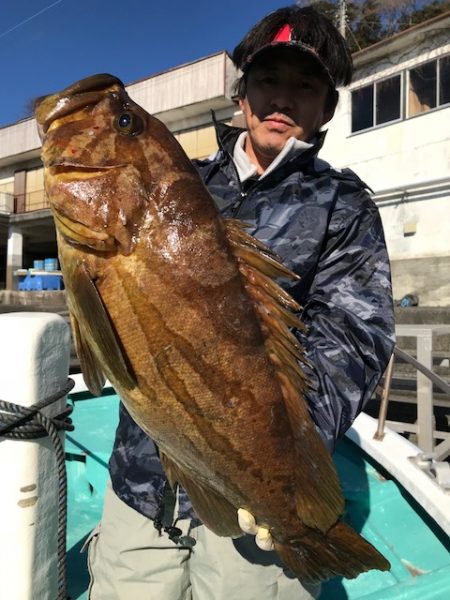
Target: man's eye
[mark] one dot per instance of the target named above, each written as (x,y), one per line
(128,123)
(304,85)
(268,80)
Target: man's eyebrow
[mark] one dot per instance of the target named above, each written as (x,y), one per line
(264,68)
(302,70)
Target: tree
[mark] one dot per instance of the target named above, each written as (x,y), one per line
(370,21)
(427,11)
(367,27)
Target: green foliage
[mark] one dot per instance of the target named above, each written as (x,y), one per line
(367,27)
(427,11)
(370,21)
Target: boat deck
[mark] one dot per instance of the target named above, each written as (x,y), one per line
(376,506)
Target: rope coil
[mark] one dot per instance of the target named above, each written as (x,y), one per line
(28,423)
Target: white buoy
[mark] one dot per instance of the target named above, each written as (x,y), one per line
(34,363)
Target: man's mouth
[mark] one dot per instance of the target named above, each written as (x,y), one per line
(278,123)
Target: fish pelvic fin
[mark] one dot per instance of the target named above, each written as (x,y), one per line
(93,375)
(319,499)
(342,552)
(92,322)
(215,511)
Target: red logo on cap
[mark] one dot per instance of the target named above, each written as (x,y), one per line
(284,34)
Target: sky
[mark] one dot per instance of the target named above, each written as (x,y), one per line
(46,45)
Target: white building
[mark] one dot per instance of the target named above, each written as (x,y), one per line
(392,126)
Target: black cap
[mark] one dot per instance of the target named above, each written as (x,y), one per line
(284,38)
(304,30)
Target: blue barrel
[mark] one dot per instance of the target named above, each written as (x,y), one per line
(51,264)
(38,265)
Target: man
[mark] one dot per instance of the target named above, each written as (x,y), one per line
(324,226)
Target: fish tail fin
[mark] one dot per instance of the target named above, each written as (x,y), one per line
(341,552)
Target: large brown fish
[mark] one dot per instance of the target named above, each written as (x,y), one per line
(177,307)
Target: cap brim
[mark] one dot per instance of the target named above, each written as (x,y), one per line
(302,49)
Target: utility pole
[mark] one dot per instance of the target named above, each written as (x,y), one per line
(342,17)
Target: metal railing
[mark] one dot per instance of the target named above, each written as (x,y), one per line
(36,200)
(441,450)
(30,201)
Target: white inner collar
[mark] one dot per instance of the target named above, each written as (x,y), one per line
(247,169)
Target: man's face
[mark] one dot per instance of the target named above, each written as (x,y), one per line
(285,97)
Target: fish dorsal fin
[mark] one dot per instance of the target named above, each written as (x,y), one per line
(213,509)
(319,497)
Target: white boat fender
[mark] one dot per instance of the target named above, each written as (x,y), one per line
(34,361)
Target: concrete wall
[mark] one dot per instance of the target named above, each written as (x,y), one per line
(18,139)
(428,278)
(399,153)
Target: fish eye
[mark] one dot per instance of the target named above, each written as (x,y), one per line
(129,123)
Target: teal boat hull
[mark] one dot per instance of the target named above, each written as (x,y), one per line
(376,506)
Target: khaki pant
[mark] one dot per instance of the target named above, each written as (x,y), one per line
(128,560)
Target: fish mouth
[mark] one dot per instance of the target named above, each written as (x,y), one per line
(88,91)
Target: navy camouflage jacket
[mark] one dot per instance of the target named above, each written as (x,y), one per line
(325,227)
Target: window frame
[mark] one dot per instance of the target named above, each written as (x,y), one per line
(374,84)
(404,100)
(408,79)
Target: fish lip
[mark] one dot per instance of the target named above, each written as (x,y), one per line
(88,91)
(65,166)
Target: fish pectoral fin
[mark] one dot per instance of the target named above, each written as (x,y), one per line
(92,373)
(94,324)
(219,515)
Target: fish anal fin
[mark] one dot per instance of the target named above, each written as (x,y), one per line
(92,373)
(342,552)
(95,324)
(213,509)
(319,498)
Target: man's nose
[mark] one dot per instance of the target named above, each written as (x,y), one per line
(283,98)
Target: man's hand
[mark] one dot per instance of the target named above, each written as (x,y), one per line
(248,524)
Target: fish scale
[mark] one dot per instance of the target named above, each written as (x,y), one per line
(179,310)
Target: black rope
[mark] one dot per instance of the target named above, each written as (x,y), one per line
(27,423)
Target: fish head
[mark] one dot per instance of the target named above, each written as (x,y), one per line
(103,158)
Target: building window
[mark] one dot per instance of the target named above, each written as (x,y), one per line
(362,108)
(422,88)
(426,86)
(376,103)
(444,80)
(388,94)
(429,86)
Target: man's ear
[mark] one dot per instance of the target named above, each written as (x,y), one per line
(330,107)
(241,103)
(328,115)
